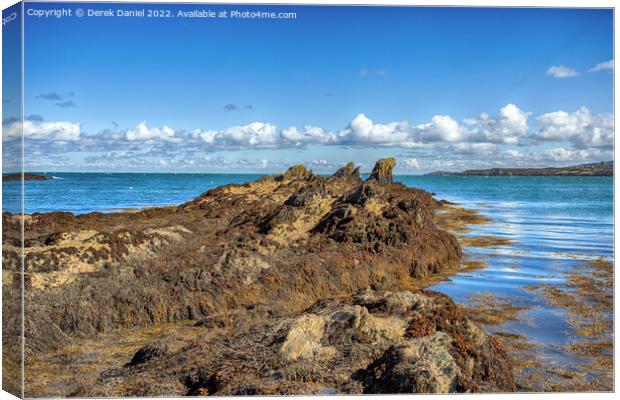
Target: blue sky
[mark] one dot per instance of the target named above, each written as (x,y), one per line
(439,88)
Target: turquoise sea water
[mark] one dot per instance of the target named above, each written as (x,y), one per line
(553,223)
(81,193)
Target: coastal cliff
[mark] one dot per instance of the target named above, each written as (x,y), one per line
(292,284)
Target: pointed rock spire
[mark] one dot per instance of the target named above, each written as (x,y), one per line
(382,172)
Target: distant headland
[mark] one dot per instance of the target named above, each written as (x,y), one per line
(604,168)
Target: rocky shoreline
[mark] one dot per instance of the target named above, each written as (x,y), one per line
(27,176)
(294,284)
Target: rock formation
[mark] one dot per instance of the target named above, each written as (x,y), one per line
(371,342)
(382,172)
(271,273)
(27,176)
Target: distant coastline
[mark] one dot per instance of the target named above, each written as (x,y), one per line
(605,168)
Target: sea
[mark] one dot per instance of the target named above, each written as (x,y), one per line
(553,223)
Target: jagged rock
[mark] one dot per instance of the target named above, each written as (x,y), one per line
(297,172)
(307,194)
(360,196)
(382,172)
(348,171)
(245,261)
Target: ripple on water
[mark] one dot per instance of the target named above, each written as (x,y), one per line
(546,241)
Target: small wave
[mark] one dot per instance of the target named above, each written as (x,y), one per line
(56,177)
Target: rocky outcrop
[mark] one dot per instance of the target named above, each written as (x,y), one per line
(382,172)
(371,342)
(348,171)
(27,176)
(245,260)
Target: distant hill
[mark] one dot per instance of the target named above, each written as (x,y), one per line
(604,168)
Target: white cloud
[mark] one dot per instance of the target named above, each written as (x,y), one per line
(254,135)
(512,121)
(561,71)
(142,132)
(566,155)
(309,134)
(42,130)
(580,127)
(605,65)
(362,130)
(487,140)
(507,127)
(411,163)
(447,128)
(513,153)
(475,149)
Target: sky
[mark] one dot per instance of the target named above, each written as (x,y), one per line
(437,88)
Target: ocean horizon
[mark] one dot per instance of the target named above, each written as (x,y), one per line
(84,192)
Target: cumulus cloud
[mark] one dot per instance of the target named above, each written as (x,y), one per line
(444,127)
(362,130)
(41,130)
(513,153)
(143,133)
(605,65)
(561,71)
(505,138)
(472,149)
(410,163)
(581,127)
(507,127)
(512,121)
(254,135)
(565,155)
(308,135)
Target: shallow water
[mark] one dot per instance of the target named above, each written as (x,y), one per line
(552,222)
